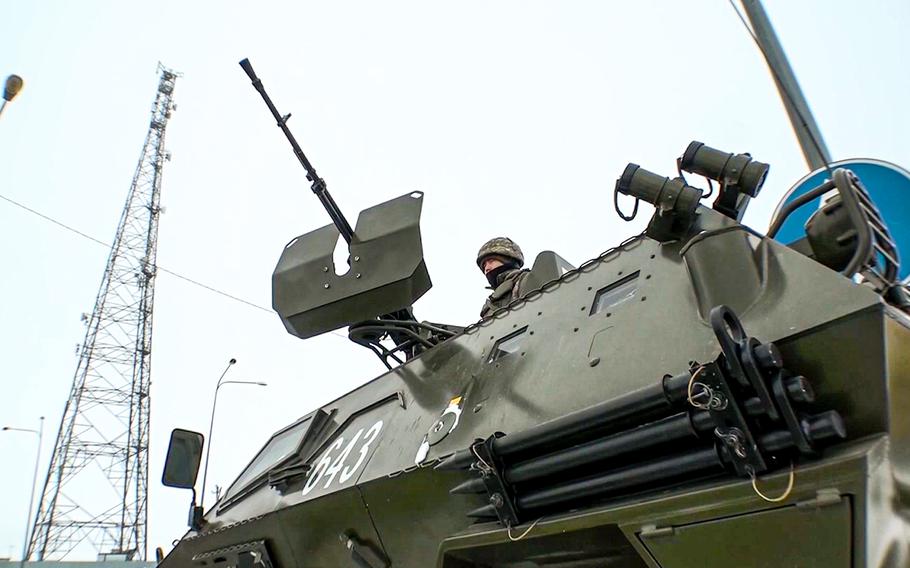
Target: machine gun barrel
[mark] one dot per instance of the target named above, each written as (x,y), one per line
(318,187)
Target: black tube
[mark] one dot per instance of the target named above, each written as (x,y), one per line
(824,426)
(673,428)
(641,474)
(643,402)
(819,427)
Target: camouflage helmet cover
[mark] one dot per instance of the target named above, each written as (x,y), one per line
(501,246)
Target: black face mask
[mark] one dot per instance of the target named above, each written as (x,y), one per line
(498,274)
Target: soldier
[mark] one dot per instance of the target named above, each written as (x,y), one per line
(500,260)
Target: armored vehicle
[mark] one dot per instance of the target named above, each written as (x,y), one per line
(734,400)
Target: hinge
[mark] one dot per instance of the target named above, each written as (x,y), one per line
(653,531)
(823,498)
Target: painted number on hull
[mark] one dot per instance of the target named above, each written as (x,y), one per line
(335,465)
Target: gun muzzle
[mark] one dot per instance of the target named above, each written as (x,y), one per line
(248,69)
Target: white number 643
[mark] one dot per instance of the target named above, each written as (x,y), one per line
(329,468)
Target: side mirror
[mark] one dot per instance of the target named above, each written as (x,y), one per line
(183,456)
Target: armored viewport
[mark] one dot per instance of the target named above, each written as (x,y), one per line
(387,271)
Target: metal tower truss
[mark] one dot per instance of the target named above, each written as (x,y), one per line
(96,491)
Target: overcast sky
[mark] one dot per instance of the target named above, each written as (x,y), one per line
(514,118)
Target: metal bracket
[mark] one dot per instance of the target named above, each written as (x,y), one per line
(738,356)
(800,439)
(363,555)
(731,426)
(653,531)
(823,498)
(491,472)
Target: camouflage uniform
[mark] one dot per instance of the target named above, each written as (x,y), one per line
(511,283)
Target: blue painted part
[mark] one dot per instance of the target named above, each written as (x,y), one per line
(887,184)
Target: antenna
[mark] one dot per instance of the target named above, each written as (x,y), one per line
(95,494)
(807,133)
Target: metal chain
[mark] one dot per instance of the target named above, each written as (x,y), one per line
(548,287)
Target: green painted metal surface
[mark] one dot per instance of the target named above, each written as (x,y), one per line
(367,486)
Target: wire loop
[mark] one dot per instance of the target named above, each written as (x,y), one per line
(524,534)
(716,401)
(784,495)
(619,212)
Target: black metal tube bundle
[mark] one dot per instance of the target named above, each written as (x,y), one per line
(653,437)
(661,397)
(712,458)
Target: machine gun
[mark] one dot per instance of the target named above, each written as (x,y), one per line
(374,294)
(318,184)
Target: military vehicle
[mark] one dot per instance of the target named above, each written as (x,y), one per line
(742,397)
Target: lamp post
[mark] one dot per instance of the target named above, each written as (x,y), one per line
(10,90)
(31,499)
(221,382)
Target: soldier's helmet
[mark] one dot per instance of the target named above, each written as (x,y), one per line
(501,246)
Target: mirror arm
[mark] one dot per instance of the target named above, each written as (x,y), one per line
(194,519)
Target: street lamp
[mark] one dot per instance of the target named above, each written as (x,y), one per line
(221,382)
(31,499)
(10,90)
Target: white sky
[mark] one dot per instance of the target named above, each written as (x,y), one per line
(514,117)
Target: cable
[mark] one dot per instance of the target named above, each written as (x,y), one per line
(158,267)
(783,495)
(215,290)
(54,221)
(524,534)
(107,246)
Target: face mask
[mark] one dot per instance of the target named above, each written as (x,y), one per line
(498,274)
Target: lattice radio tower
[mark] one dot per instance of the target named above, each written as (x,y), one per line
(96,491)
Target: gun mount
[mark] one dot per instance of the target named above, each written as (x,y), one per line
(387,272)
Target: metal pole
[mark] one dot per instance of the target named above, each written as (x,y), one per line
(807,133)
(205,471)
(221,383)
(31,498)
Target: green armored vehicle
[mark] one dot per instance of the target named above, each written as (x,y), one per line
(701,395)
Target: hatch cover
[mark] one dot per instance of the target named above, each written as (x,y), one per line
(808,537)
